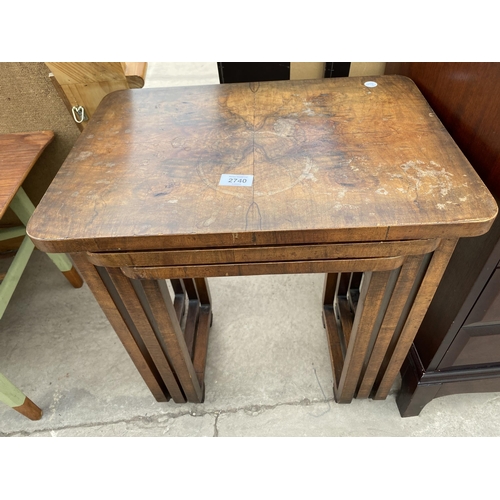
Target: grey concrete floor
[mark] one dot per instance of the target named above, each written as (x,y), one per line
(268,370)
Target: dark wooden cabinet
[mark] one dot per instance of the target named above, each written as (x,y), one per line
(478,340)
(457,348)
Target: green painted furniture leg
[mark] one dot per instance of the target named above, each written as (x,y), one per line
(12,396)
(12,232)
(62,261)
(14,273)
(23,208)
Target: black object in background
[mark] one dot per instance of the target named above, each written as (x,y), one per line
(239,72)
(337,69)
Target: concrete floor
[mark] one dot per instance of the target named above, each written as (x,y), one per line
(268,370)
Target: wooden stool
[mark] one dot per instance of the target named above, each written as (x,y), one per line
(18,154)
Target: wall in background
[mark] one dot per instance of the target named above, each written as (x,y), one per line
(306,70)
(367,68)
(312,70)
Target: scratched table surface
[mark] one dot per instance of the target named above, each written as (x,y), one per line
(332,160)
(18,154)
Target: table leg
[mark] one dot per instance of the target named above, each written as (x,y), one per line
(367,314)
(179,298)
(204,324)
(12,396)
(330,324)
(329,289)
(192,314)
(397,353)
(24,208)
(61,260)
(148,330)
(117,315)
(11,279)
(173,338)
(348,338)
(405,282)
(198,320)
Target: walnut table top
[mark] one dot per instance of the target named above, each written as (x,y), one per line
(331,160)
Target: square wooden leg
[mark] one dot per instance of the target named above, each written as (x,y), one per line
(12,396)
(106,295)
(397,353)
(349,334)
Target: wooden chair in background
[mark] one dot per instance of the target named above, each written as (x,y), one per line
(82,86)
(18,154)
(35,100)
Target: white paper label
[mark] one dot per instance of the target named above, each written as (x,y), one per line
(236,180)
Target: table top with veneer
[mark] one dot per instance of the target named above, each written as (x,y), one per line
(332,160)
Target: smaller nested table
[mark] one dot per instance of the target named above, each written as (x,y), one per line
(353,178)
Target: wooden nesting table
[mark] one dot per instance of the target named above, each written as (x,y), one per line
(352,177)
